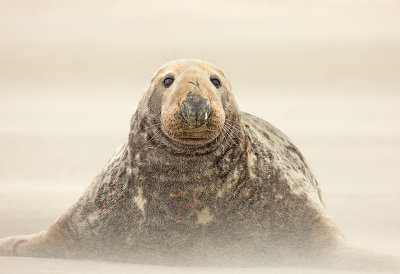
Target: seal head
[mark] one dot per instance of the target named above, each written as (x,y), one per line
(189,104)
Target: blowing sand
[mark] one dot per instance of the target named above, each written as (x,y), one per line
(324,72)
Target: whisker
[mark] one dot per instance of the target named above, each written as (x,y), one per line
(157,124)
(229,135)
(232,124)
(155,134)
(225,133)
(237,136)
(236,129)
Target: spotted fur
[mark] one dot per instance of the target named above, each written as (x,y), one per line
(245,197)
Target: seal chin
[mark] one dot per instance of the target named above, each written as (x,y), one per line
(192,138)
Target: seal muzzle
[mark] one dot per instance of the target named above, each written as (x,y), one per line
(195,109)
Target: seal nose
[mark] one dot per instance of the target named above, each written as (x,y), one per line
(195,109)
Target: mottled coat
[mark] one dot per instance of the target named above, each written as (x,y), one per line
(246,197)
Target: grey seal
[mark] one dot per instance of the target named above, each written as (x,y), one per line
(199,183)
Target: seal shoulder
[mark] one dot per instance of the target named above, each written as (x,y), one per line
(283,156)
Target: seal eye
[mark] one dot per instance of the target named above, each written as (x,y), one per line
(215,81)
(168,82)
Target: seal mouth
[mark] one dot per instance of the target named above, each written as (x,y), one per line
(192,138)
(184,134)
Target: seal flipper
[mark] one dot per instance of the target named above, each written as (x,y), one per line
(54,242)
(24,246)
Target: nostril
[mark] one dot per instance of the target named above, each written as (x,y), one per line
(195,109)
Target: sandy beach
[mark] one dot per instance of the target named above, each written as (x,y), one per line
(326,73)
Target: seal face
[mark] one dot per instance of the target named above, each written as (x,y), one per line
(198,181)
(191,110)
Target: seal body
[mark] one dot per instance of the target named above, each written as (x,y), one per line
(151,206)
(197,182)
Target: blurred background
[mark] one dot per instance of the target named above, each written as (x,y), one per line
(327,73)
